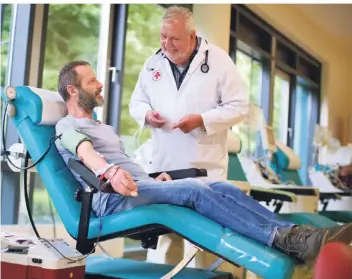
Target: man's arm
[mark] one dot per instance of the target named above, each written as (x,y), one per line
(79,144)
(234,102)
(121,181)
(93,160)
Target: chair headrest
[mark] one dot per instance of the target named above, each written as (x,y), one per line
(51,108)
(286,158)
(233,142)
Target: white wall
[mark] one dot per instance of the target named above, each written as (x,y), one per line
(213,22)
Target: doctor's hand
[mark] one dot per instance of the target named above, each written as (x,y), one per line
(154,119)
(122,182)
(163,177)
(189,123)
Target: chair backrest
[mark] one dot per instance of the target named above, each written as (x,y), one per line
(37,112)
(286,163)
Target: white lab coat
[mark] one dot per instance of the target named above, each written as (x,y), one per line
(219,97)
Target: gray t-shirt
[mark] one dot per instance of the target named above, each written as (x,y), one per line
(106,142)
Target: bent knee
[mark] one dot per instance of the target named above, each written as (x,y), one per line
(224,185)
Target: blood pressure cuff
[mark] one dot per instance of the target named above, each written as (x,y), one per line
(72,138)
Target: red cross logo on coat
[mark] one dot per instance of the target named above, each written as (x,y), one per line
(157,75)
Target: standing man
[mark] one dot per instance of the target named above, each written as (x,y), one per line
(189,93)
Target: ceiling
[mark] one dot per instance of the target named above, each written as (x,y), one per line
(336,19)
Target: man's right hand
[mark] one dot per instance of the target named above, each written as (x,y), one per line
(122,182)
(154,119)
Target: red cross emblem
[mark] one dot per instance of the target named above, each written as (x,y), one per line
(157,75)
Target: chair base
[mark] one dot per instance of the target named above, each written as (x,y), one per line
(130,269)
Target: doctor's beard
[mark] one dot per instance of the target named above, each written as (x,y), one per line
(88,100)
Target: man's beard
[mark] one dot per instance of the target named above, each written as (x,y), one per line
(89,101)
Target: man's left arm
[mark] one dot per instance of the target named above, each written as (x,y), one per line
(233,105)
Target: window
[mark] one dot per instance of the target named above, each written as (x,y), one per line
(142,40)
(251,74)
(72,34)
(43,211)
(5,17)
(303,114)
(281,106)
(6,11)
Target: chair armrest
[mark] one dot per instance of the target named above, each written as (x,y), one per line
(88,176)
(267,195)
(183,173)
(330,196)
(298,190)
(278,196)
(85,196)
(325,198)
(85,173)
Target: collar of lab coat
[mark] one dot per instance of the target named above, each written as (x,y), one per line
(200,56)
(203,45)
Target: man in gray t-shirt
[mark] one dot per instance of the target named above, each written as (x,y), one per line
(101,150)
(106,142)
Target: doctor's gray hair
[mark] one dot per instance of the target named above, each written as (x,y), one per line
(180,13)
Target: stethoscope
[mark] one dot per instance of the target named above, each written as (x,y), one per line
(204,67)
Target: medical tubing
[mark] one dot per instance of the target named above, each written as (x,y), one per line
(100,229)
(52,216)
(96,243)
(52,141)
(35,229)
(26,196)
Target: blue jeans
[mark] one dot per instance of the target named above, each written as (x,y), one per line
(221,202)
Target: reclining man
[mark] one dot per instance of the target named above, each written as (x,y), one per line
(101,150)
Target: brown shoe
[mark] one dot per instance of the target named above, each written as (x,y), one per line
(305,242)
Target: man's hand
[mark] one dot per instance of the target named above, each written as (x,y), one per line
(189,123)
(163,177)
(154,119)
(122,182)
